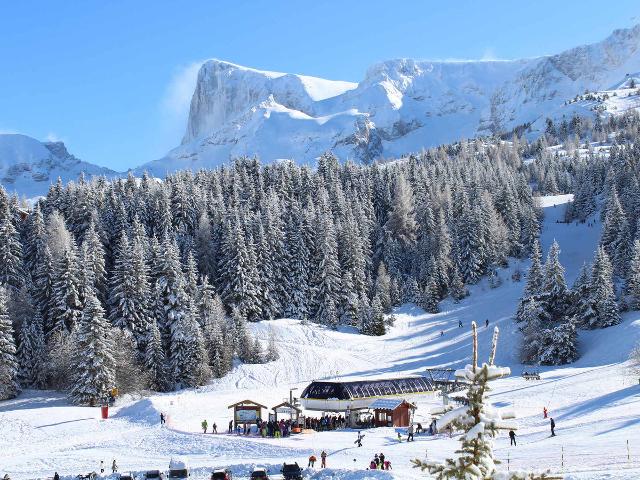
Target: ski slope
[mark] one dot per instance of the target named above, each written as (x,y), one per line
(594,401)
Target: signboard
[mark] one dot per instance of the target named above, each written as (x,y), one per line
(287,410)
(246,416)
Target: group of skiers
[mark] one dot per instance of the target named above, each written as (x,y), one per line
(323,460)
(205,425)
(114,466)
(552,424)
(379,462)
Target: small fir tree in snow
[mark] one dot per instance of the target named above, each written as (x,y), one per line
(9,387)
(377,323)
(94,365)
(272,349)
(480,422)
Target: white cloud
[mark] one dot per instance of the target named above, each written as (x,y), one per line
(489,55)
(177,98)
(52,137)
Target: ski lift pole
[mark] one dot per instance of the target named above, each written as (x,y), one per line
(562,458)
(628,454)
(508,461)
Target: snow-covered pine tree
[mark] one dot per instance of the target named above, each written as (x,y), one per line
(272,349)
(602,294)
(411,291)
(558,345)
(188,359)
(11,269)
(326,278)
(532,319)
(535,278)
(237,269)
(382,287)
(93,258)
(9,386)
(155,360)
(376,321)
(67,304)
(94,366)
(633,278)
(480,422)
(554,287)
(457,287)
(581,302)
(31,353)
(429,300)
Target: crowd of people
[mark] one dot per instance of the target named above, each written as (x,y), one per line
(325,423)
(380,462)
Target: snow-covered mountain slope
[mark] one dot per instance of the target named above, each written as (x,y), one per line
(400,106)
(593,401)
(28,166)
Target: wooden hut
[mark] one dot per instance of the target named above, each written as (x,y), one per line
(289,409)
(247,412)
(392,412)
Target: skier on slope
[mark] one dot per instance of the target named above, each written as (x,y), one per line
(553,428)
(204,425)
(512,437)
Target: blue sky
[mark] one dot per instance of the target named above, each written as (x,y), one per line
(113,79)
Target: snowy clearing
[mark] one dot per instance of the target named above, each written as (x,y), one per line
(594,401)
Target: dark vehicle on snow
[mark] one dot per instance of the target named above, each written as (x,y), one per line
(259,474)
(291,471)
(222,474)
(154,475)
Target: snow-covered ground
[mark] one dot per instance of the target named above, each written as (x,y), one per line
(594,401)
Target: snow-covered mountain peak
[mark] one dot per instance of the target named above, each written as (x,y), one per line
(28,166)
(401,105)
(225,91)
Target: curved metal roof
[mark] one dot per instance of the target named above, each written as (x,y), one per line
(367,388)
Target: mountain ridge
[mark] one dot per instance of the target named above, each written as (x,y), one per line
(401,105)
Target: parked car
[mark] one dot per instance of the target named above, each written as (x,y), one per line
(178,469)
(222,474)
(291,471)
(126,476)
(259,474)
(154,475)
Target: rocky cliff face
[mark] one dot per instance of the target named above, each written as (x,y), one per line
(400,106)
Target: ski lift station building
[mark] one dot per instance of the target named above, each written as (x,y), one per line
(360,394)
